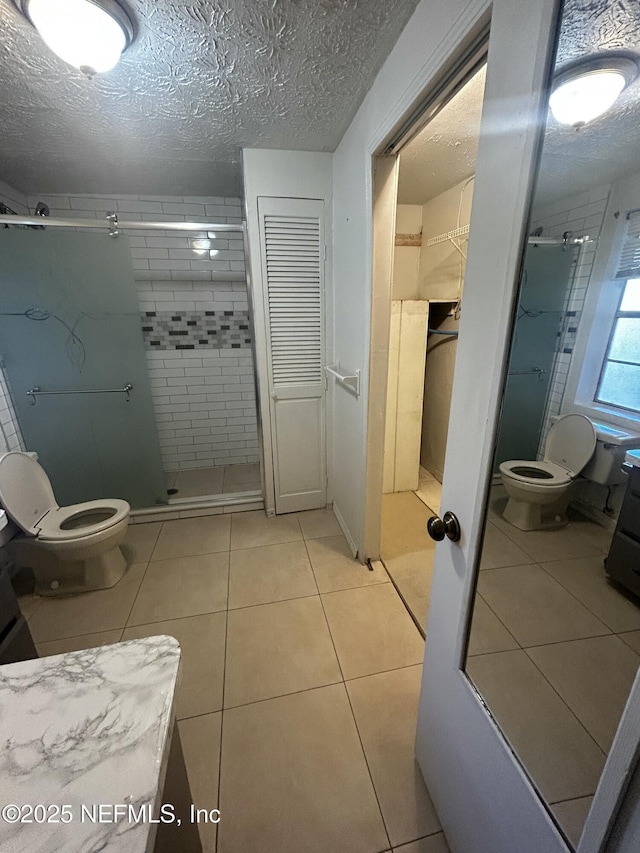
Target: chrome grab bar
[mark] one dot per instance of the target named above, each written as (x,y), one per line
(35,392)
(539,371)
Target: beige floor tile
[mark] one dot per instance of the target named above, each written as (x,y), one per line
(29,603)
(413,575)
(242,474)
(199,481)
(594,678)
(386,710)
(253,529)
(76,644)
(140,542)
(271,573)
(404,525)
(571,815)
(188,537)
(430,493)
(89,612)
(202,641)
(335,567)
(200,739)
(318,522)
(632,639)
(372,630)
(488,634)
(293,778)
(186,586)
(586,578)
(498,550)
(558,752)
(278,648)
(170,478)
(580,538)
(433,844)
(534,608)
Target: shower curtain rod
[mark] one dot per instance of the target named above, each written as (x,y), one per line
(114,225)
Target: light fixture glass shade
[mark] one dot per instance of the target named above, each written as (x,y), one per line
(80,32)
(590,88)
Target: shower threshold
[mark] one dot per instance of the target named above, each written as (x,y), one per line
(200,506)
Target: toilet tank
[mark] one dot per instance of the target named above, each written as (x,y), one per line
(605,466)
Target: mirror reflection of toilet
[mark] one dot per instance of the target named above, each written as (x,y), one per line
(70,549)
(536,484)
(539,491)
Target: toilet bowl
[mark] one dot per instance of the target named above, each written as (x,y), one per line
(70,548)
(536,486)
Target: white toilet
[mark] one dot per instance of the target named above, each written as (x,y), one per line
(70,549)
(533,485)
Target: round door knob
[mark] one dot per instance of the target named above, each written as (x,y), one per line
(448,525)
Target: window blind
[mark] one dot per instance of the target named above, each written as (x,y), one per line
(629,263)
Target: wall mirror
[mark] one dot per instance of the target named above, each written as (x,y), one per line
(554,640)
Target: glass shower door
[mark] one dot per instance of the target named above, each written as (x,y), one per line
(70,322)
(545,283)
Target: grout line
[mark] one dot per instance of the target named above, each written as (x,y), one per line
(569,708)
(366,761)
(135,598)
(224,679)
(422,631)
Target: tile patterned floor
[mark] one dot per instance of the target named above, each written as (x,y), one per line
(407,551)
(200,482)
(299,688)
(554,649)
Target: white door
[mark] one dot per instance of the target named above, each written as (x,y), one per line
(485,799)
(292,256)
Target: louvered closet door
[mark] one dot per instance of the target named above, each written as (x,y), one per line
(292,236)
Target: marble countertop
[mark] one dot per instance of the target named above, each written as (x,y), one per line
(85,729)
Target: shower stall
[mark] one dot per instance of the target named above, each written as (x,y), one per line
(127,353)
(539,322)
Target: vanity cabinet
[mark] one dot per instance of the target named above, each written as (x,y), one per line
(623,562)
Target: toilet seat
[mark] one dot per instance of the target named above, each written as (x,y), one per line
(544,474)
(27,496)
(51,525)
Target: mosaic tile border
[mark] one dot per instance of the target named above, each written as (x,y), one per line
(188,330)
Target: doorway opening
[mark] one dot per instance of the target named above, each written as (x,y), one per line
(432,214)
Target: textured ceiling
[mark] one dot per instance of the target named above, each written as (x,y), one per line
(444,153)
(600,153)
(202,80)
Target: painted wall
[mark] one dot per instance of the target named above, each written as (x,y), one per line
(442,266)
(406,259)
(429,38)
(195,321)
(10,437)
(284,174)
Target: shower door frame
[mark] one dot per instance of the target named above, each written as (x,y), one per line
(114,226)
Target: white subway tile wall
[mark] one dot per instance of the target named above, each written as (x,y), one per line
(10,435)
(203,396)
(581,214)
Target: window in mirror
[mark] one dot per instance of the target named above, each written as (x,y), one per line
(619,383)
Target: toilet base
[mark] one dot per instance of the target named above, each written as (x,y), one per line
(54,576)
(530,516)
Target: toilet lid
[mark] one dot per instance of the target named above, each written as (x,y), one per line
(570,443)
(25,490)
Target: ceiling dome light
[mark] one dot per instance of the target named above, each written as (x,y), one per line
(589,88)
(88,34)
